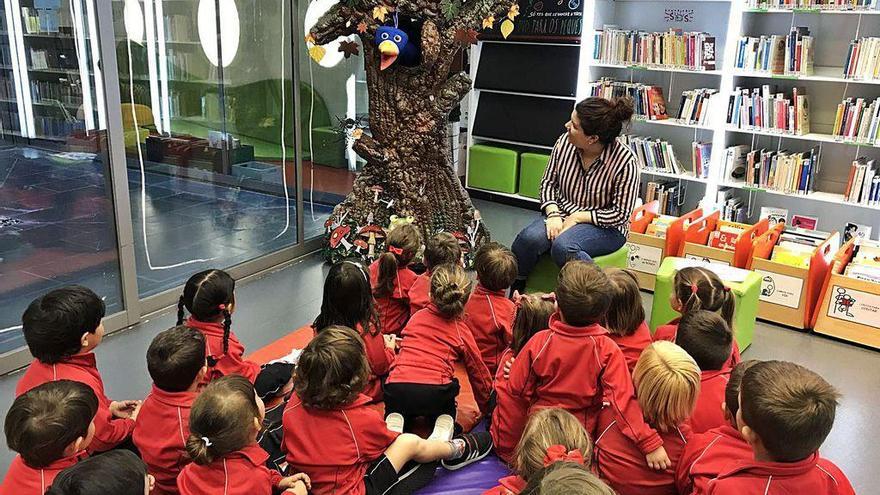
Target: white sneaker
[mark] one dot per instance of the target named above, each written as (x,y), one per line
(444,428)
(394,422)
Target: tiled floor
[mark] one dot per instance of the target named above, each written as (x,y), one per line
(290,297)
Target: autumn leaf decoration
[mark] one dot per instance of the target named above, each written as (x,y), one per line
(488,22)
(466,37)
(362,27)
(507,25)
(379,12)
(349,48)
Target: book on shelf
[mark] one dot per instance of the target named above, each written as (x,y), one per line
(863,183)
(672,48)
(659,225)
(730,205)
(695,105)
(734,164)
(765,108)
(852,229)
(668,194)
(784,171)
(726,235)
(857,120)
(865,263)
(648,100)
(653,154)
(790,54)
(862,59)
(774,215)
(812,4)
(701,157)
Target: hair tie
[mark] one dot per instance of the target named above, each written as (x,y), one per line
(726,289)
(222,307)
(694,288)
(549,297)
(395,250)
(207,441)
(557,453)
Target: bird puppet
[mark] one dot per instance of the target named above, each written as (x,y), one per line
(395,46)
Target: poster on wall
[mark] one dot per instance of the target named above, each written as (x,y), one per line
(645,259)
(855,306)
(780,289)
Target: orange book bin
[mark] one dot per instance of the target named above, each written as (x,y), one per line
(696,239)
(646,252)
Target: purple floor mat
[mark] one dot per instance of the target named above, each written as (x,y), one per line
(471,480)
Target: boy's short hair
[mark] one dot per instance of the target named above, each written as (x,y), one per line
(566,478)
(332,370)
(54,323)
(731,391)
(583,293)
(441,249)
(496,266)
(706,337)
(46,419)
(789,407)
(118,472)
(175,358)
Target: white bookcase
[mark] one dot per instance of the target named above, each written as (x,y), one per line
(727,21)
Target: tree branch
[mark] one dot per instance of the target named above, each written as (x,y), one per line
(340,20)
(472,14)
(369,149)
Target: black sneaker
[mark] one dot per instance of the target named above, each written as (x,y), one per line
(477,446)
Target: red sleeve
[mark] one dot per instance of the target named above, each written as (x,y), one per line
(373,437)
(665,332)
(274,476)
(692,451)
(507,324)
(522,381)
(379,356)
(478,373)
(618,387)
(109,431)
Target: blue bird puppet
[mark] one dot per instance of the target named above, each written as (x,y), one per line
(394,46)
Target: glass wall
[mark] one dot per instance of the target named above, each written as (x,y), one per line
(57,222)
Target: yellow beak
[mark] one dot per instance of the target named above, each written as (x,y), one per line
(388,53)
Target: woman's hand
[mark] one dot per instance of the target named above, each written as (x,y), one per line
(574,219)
(554,227)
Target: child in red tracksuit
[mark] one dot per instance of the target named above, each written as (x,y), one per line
(707,454)
(421,382)
(62,328)
(223,427)
(551,435)
(50,427)
(785,413)
(567,478)
(348,301)
(342,443)
(667,381)
(119,472)
(707,338)
(697,288)
(625,320)
(489,313)
(391,278)
(576,366)
(176,362)
(532,315)
(441,249)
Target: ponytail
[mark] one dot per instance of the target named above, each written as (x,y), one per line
(387,272)
(199,450)
(701,289)
(450,289)
(227,326)
(180,311)
(401,247)
(728,306)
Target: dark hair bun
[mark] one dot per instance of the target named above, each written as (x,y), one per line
(623,108)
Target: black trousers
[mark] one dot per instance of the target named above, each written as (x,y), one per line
(413,400)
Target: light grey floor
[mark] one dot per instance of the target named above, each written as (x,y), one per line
(289,297)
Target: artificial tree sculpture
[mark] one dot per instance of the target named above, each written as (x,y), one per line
(408,171)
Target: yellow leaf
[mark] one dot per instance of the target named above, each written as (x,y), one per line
(379,12)
(357,133)
(317,53)
(506,28)
(310,38)
(514,11)
(488,22)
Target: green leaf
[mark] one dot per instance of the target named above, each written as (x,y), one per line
(449,8)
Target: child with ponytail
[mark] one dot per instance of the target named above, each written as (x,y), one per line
(625,320)
(391,277)
(698,288)
(224,423)
(551,435)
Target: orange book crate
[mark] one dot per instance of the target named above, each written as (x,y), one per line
(696,239)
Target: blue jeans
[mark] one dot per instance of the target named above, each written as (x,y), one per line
(581,242)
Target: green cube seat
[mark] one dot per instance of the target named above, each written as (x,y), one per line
(543,277)
(745,292)
(531,170)
(493,168)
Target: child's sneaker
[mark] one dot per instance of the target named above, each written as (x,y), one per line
(477,446)
(394,422)
(443,428)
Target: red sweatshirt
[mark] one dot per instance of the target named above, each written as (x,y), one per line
(511,485)
(670,330)
(618,460)
(160,434)
(490,317)
(708,454)
(575,368)
(335,446)
(380,358)
(420,293)
(507,416)
(22,479)
(109,431)
(813,476)
(394,309)
(233,362)
(632,345)
(709,413)
(242,472)
(431,344)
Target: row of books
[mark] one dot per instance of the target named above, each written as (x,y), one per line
(731,206)
(785,171)
(60,59)
(865,263)
(673,48)
(695,105)
(648,100)
(660,224)
(654,155)
(766,108)
(796,247)
(857,120)
(41,20)
(668,194)
(863,184)
(68,93)
(863,59)
(812,4)
(726,233)
(777,54)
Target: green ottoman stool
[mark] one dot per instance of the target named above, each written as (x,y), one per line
(543,277)
(531,170)
(492,168)
(745,285)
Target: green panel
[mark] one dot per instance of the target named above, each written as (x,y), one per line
(543,277)
(492,168)
(531,169)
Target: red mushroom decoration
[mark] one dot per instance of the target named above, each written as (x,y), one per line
(463,242)
(371,234)
(338,236)
(360,244)
(328,225)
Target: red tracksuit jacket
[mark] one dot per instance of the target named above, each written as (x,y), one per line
(632,345)
(708,413)
(708,454)
(242,472)
(335,446)
(420,293)
(393,310)
(380,358)
(511,485)
(670,330)
(109,431)
(490,317)
(160,434)
(575,368)
(431,344)
(507,416)
(811,476)
(233,362)
(618,460)
(22,479)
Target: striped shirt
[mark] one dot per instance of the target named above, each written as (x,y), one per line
(607,190)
